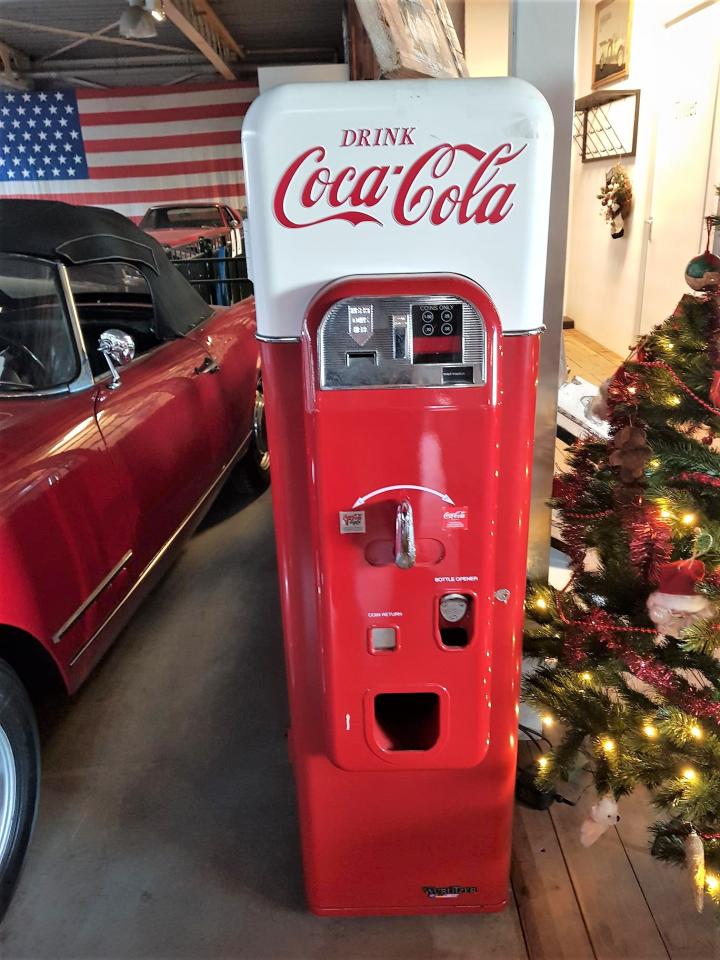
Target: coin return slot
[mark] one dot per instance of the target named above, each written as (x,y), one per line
(383,638)
(361,358)
(407,721)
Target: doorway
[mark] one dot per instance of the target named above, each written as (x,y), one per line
(687,79)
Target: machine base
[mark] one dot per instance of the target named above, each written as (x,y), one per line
(406,911)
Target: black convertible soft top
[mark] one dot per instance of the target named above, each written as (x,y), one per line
(74,234)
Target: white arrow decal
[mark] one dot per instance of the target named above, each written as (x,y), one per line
(402,486)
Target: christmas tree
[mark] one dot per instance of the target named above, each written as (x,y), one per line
(631,647)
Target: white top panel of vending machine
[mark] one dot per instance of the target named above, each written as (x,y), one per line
(397,177)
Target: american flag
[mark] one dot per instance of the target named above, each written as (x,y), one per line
(124,148)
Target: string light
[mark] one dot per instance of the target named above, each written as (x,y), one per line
(587,677)
(696,731)
(689,774)
(541,603)
(712,883)
(542,763)
(689,519)
(608,745)
(674,400)
(665,513)
(649,730)
(547,720)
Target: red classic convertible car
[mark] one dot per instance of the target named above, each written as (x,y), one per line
(125,402)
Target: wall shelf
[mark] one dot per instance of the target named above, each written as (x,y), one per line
(606,123)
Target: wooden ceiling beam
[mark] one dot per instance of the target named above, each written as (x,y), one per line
(199,30)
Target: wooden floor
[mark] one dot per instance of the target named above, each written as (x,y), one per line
(587,359)
(611,901)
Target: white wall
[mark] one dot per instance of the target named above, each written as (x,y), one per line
(487,37)
(604,276)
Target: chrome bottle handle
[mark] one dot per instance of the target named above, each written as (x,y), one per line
(404,536)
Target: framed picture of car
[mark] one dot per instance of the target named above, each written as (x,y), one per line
(611,43)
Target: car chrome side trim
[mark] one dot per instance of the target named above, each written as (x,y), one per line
(165,547)
(105,582)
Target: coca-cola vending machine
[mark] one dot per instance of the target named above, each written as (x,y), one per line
(397,235)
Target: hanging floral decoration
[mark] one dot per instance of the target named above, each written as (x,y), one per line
(616,199)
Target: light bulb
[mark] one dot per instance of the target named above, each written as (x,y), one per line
(547,720)
(695,731)
(587,677)
(543,762)
(541,603)
(608,745)
(689,519)
(665,513)
(689,774)
(712,883)
(649,730)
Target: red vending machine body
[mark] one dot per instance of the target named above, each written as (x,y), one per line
(400,409)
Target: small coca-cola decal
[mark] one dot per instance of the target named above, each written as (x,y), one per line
(455,518)
(352,521)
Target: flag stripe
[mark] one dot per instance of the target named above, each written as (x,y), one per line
(111,131)
(123,185)
(123,158)
(162,115)
(101,104)
(184,141)
(168,171)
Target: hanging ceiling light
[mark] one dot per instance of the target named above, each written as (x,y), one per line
(155,9)
(137,23)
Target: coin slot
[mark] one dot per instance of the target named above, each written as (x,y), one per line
(406,721)
(361,358)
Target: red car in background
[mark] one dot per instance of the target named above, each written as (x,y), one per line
(181,227)
(125,402)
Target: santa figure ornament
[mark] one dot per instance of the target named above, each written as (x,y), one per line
(603,815)
(675,606)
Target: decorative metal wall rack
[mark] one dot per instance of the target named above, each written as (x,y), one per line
(605,125)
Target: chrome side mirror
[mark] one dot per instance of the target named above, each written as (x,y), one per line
(118,348)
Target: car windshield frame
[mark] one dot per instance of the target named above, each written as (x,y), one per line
(82,377)
(155,212)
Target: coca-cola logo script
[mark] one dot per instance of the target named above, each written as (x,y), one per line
(427,189)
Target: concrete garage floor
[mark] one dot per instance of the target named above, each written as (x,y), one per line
(167,824)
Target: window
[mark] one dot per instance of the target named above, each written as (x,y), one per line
(37,347)
(117,296)
(174,218)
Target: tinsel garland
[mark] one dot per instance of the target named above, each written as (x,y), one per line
(645,668)
(650,543)
(693,476)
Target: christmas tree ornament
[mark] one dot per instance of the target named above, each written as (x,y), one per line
(603,815)
(599,407)
(715,389)
(695,862)
(630,453)
(703,271)
(675,606)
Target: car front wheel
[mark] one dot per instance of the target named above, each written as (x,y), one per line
(19,779)
(252,475)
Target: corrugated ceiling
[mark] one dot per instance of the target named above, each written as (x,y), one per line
(270,31)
